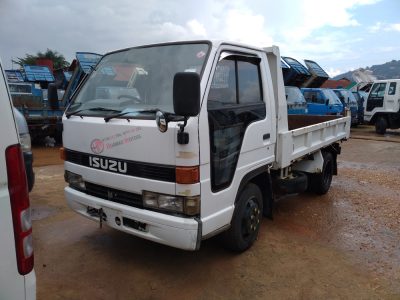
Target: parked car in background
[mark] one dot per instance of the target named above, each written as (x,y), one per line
(25,140)
(360,103)
(383,105)
(17,277)
(296,103)
(348,100)
(322,101)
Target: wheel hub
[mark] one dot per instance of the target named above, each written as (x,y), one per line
(251,218)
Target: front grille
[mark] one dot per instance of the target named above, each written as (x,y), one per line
(114,195)
(134,168)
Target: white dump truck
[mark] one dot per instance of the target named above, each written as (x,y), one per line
(178,142)
(383,105)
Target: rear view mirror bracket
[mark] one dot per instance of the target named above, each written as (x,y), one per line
(182,136)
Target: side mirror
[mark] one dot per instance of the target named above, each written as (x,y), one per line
(327,102)
(186,94)
(52,96)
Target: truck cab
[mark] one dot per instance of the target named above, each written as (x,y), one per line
(322,101)
(383,105)
(182,141)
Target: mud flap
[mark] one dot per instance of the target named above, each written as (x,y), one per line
(268,207)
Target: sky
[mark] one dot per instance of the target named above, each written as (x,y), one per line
(339,35)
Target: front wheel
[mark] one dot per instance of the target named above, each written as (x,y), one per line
(381,125)
(246,220)
(320,183)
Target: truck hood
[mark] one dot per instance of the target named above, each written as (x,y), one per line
(136,140)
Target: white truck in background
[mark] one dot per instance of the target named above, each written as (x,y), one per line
(17,277)
(383,105)
(178,142)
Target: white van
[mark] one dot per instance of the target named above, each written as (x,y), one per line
(17,277)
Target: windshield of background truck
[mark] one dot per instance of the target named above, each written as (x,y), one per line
(333,98)
(352,98)
(138,79)
(294,95)
(348,97)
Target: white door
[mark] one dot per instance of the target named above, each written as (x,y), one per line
(239,132)
(391,97)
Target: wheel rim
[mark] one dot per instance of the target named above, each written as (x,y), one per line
(251,219)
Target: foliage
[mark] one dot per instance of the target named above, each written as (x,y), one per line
(57,58)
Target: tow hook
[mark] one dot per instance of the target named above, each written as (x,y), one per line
(97,213)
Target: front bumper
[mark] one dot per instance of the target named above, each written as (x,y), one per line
(183,233)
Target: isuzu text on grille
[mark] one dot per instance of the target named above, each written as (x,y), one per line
(108,164)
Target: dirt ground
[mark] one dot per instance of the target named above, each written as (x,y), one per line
(343,245)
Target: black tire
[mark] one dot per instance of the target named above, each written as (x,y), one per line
(380,125)
(246,220)
(320,183)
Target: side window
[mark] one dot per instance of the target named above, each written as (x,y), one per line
(378,90)
(392,88)
(308,96)
(223,85)
(235,81)
(312,96)
(249,82)
(320,98)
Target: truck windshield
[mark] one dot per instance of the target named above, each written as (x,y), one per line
(294,95)
(333,98)
(352,98)
(138,80)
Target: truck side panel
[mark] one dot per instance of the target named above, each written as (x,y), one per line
(292,145)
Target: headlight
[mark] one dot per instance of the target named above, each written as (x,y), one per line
(187,205)
(25,140)
(74,180)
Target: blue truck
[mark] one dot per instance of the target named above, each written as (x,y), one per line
(322,101)
(42,97)
(27,88)
(314,101)
(349,101)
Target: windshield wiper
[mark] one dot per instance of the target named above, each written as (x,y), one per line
(68,115)
(120,114)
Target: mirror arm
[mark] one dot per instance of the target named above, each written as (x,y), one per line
(182,136)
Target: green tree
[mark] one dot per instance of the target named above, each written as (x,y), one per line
(57,58)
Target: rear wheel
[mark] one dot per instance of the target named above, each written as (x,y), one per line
(381,125)
(246,220)
(320,183)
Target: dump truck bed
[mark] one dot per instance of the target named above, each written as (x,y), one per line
(308,134)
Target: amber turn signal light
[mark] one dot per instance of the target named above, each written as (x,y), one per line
(187,175)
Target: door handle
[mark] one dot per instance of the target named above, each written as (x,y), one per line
(266,136)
